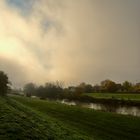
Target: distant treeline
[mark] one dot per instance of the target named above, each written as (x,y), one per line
(56,89)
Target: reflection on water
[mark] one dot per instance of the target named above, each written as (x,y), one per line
(135,111)
(125,110)
(68,103)
(95,106)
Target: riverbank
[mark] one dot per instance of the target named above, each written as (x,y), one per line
(111,100)
(124,96)
(21,122)
(95,125)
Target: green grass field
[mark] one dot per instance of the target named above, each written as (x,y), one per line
(71,122)
(19,122)
(120,96)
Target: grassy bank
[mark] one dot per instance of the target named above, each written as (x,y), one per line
(93,124)
(119,96)
(18,122)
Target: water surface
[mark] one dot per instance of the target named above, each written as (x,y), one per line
(125,110)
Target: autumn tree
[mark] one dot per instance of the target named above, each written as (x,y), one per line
(108,86)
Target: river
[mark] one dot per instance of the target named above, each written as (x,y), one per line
(125,110)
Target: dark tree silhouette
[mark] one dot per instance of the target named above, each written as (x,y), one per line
(49,90)
(30,89)
(3,83)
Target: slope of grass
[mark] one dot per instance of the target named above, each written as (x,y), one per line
(18,122)
(95,124)
(124,96)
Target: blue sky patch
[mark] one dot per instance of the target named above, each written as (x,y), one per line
(24,6)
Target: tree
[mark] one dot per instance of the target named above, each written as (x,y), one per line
(85,88)
(96,88)
(30,89)
(4,83)
(53,90)
(41,92)
(137,87)
(88,88)
(81,88)
(127,86)
(108,86)
(119,87)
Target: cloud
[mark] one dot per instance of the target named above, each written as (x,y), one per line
(71,41)
(16,72)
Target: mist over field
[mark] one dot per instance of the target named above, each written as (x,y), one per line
(70,40)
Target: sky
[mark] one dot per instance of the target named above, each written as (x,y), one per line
(71,41)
